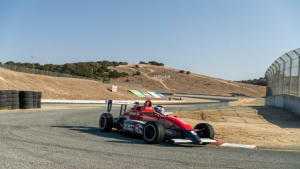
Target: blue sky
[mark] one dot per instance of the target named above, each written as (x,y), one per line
(229,39)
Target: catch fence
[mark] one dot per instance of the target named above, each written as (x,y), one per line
(283,75)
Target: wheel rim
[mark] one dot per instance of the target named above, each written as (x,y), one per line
(201,132)
(149,133)
(102,122)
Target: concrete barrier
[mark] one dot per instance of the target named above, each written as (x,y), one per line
(290,103)
(52,101)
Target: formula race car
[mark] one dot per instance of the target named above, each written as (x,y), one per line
(154,126)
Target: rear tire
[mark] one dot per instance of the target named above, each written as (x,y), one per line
(153,132)
(205,130)
(105,122)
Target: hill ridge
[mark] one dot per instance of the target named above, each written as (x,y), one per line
(82,89)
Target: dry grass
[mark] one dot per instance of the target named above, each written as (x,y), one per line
(61,88)
(185,83)
(70,88)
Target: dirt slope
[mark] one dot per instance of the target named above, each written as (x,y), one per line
(70,88)
(254,126)
(61,88)
(184,83)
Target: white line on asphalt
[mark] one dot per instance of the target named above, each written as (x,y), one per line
(238,145)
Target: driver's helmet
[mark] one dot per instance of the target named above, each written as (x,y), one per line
(159,109)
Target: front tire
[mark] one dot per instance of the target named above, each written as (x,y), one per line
(105,122)
(205,130)
(153,132)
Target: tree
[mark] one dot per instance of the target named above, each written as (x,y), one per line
(96,70)
(10,63)
(261,81)
(181,71)
(156,63)
(142,62)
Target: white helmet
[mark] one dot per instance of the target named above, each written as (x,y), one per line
(159,109)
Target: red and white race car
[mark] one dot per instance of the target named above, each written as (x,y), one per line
(154,126)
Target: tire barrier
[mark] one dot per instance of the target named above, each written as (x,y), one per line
(15,99)
(3,99)
(39,98)
(26,99)
(12,99)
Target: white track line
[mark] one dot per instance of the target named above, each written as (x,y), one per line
(238,145)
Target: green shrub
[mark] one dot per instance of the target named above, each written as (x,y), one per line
(137,73)
(156,63)
(142,62)
(95,70)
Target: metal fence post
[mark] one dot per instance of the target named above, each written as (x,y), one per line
(283,80)
(273,80)
(290,79)
(278,77)
(298,83)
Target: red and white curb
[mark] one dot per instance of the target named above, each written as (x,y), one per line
(233,145)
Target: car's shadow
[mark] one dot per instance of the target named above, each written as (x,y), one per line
(119,137)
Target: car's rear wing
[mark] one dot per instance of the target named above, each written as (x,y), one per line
(122,103)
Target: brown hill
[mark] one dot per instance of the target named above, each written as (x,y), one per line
(164,79)
(61,88)
(70,88)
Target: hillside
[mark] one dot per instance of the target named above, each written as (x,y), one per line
(182,82)
(59,87)
(70,88)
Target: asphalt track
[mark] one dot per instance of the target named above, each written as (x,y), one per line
(70,139)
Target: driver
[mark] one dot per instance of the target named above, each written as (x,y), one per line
(159,109)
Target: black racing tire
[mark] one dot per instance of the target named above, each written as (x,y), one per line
(105,122)
(205,130)
(153,132)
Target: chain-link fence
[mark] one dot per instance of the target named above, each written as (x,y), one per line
(283,75)
(40,72)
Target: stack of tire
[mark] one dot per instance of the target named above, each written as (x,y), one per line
(30,99)
(3,99)
(37,96)
(9,99)
(12,99)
